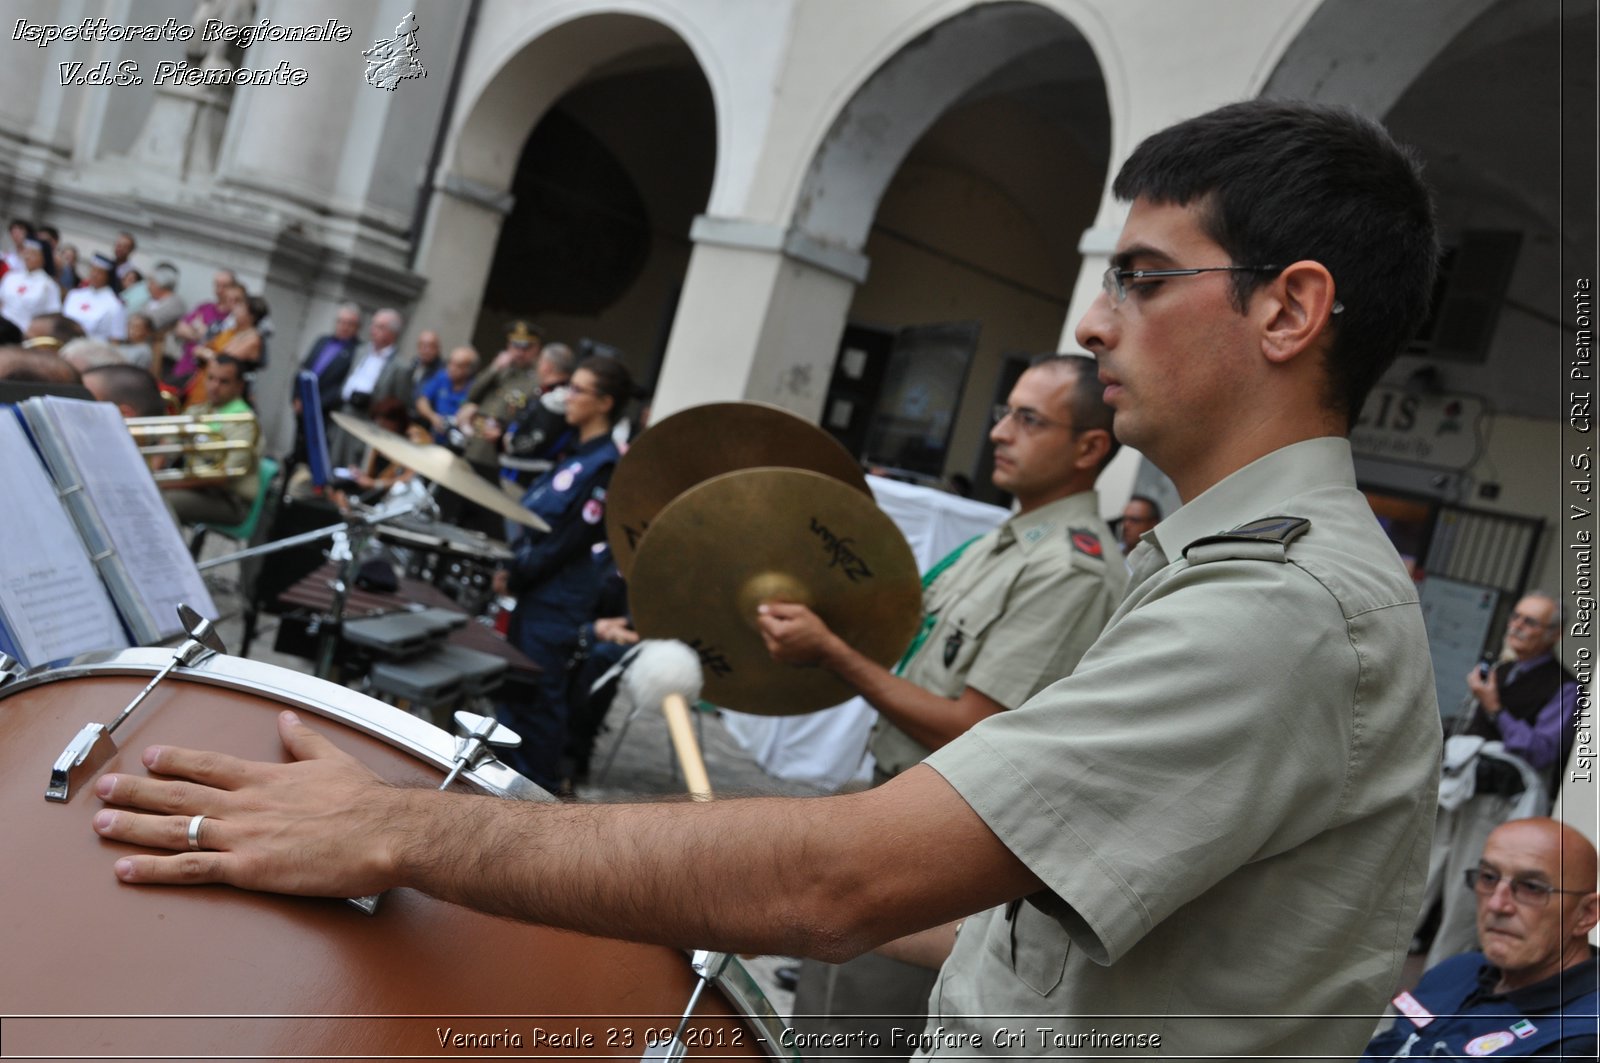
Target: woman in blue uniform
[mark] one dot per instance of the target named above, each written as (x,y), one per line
(552,575)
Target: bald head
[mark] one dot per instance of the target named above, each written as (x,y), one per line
(1536,900)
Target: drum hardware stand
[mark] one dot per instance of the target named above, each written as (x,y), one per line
(359,527)
(93,745)
(477,735)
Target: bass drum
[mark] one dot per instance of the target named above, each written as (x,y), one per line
(97,968)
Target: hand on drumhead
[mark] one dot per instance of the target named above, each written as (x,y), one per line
(313,826)
(795,635)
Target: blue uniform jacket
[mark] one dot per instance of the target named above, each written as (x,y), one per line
(551,573)
(1454,1012)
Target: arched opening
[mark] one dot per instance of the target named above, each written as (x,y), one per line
(966,168)
(571,183)
(597,240)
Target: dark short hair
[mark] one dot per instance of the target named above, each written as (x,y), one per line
(391,409)
(128,385)
(1088,399)
(49,230)
(1155,507)
(613,379)
(36,367)
(62,327)
(228,359)
(1277,182)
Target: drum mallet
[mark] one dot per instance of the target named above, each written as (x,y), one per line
(666,672)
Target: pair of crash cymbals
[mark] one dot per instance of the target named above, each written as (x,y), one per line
(723,507)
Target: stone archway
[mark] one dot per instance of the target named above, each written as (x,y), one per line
(472,196)
(999,60)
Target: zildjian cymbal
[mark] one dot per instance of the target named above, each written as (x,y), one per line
(724,547)
(441,466)
(696,444)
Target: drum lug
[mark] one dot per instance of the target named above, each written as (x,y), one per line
(83,756)
(92,746)
(10,668)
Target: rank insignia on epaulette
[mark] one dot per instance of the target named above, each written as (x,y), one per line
(1087,542)
(1264,539)
(1272,529)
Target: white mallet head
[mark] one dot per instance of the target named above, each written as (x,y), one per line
(662,667)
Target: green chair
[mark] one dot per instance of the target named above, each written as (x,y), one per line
(245,530)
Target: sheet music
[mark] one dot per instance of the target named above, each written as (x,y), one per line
(124,495)
(51,599)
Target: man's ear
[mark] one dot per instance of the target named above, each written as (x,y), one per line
(1295,309)
(1588,915)
(1092,446)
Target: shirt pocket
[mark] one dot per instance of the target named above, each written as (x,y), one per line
(1033,945)
(959,639)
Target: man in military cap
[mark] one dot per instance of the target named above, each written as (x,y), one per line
(1206,841)
(498,395)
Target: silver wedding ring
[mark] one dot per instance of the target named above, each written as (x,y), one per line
(194,832)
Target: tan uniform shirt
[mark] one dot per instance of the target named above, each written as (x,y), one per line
(1229,801)
(1013,614)
(499,396)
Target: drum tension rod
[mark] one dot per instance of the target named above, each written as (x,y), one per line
(92,746)
(709,966)
(477,735)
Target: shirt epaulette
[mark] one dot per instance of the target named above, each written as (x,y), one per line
(1265,539)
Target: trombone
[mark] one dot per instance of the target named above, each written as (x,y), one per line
(214,447)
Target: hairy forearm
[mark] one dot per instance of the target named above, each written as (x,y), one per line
(760,875)
(929,718)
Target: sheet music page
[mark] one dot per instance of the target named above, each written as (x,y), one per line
(122,491)
(53,602)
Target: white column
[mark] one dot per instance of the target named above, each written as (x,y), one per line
(760,319)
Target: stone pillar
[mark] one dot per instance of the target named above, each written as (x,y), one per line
(760,318)
(459,241)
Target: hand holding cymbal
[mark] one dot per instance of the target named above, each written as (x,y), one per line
(724,548)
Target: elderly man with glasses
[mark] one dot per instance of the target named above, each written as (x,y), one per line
(1532,991)
(1525,703)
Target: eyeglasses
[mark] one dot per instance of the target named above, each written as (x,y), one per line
(576,390)
(1528,621)
(1482,881)
(1113,279)
(1028,419)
